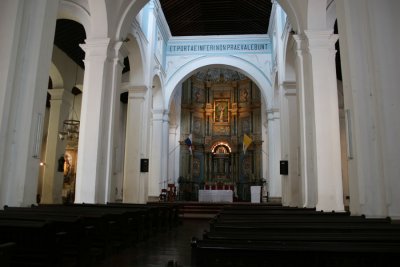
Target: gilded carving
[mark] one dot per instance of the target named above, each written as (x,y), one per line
(197,126)
(247,166)
(198,95)
(244,95)
(196,167)
(221,113)
(246,125)
(221,130)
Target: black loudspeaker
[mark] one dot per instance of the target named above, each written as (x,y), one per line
(144,165)
(284,167)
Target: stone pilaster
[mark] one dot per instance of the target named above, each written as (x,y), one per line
(55,148)
(136,183)
(319,120)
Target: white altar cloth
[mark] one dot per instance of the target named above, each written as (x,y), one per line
(215,196)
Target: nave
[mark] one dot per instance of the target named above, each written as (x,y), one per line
(171,248)
(193,234)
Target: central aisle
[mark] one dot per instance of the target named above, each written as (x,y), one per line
(171,246)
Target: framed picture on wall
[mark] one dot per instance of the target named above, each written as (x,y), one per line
(221,111)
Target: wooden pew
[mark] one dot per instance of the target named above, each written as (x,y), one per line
(7,251)
(37,242)
(295,253)
(287,237)
(76,241)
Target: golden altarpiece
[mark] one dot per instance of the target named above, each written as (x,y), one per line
(218,107)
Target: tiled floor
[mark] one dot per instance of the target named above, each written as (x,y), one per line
(169,247)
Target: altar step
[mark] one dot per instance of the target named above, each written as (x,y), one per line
(199,210)
(209,210)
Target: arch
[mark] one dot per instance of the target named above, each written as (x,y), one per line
(292,14)
(131,8)
(75,12)
(289,58)
(158,103)
(306,15)
(136,73)
(218,144)
(230,62)
(331,15)
(316,15)
(98,18)
(56,77)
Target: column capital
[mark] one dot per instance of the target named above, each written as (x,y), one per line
(120,52)
(310,40)
(289,88)
(96,47)
(136,92)
(273,114)
(57,93)
(158,114)
(321,39)
(166,116)
(173,128)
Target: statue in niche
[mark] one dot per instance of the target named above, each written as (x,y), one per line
(196,167)
(244,94)
(198,95)
(221,111)
(67,168)
(246,166)
(245,125)
(221,150)
(197,126)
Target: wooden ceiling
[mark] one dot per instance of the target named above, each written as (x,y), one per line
(217,17)
(185,18)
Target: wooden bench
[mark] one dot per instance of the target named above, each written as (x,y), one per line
(288,237)
(7,251)
(37,242)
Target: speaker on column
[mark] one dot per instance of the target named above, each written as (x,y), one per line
(144,165)
(284,167)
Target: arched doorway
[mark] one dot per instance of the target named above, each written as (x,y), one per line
(221,172)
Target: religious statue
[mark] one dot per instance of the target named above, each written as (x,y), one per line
(221,111)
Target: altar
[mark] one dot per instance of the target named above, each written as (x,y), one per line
(215,196)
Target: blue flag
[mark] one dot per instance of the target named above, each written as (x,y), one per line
(188,142)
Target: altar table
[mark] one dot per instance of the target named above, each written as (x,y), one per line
(215,196)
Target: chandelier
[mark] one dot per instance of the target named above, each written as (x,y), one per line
(70,128)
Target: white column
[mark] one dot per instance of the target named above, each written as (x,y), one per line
(55,148)
(320,104)
(165,147)
(157,177)
(27,30)
(294,178)
(371,96)
(98,115)
(173,170)
(112,154)
(306,113)
(285,132)
(90,147)
(136,183)
(265,146)
(274,145)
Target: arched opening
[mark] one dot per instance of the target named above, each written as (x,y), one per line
(61,124)
(218,108)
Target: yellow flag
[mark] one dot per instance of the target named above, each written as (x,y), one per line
(246,142)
